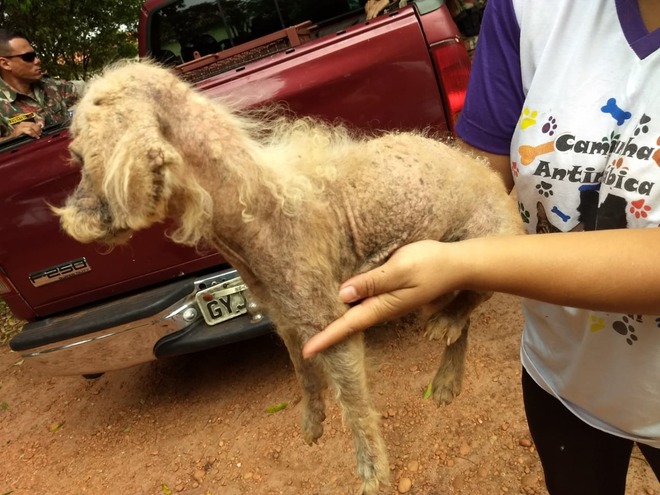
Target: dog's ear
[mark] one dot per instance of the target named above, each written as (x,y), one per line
(139,177)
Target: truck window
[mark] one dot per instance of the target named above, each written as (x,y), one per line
(185,29)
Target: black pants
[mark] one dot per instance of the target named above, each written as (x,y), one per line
(577,458)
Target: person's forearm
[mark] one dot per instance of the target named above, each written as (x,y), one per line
(613,270)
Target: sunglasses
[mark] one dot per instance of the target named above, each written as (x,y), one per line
(26,57)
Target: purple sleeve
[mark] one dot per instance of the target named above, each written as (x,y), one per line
(495,95)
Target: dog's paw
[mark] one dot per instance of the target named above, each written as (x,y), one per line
(374,476)
(447,384)
(445,393)
(372,464)
(312,426)
(370,487)
(446,328)
(312,434)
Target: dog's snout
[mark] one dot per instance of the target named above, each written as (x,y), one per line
(88,218)
(105,213)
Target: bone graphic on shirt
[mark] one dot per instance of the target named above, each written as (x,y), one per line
(613,109)
(529,153)
(559,213)
(656,155)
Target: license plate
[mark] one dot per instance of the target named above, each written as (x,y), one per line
(223,301)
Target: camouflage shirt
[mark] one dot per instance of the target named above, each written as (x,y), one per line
(48,103)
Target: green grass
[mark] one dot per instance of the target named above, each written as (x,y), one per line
(9,326)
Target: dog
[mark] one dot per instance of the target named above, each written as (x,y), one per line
(295,205)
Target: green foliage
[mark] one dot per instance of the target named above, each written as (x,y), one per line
(280,406)
(9,326)
(75,38)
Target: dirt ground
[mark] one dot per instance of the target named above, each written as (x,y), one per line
(199,424)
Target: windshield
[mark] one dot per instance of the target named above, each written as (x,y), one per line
(185,29)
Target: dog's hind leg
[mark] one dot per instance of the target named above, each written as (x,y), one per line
(448,380)
(450,324)
(312,382)
(344,364)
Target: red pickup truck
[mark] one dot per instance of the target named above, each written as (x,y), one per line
(90,311)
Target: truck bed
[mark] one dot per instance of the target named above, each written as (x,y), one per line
(404,70)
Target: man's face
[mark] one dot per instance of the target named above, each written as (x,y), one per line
(27,71)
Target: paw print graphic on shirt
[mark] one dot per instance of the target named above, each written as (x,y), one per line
(639,208)
(544,189)
(523,212)
(528,118)
(612,137)
(550,126)
(641,127)
(656,153)
(597,323)
(625,327)
(618,164)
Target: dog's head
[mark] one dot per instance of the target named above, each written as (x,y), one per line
(129,166)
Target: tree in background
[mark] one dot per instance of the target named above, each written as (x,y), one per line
(75,38)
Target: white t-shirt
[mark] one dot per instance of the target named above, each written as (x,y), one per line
(583,78)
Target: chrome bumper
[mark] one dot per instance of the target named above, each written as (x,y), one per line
(130,343)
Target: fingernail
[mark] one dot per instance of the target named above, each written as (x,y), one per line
(348,294)
(307,353)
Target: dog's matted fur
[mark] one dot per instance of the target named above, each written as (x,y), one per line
(296,206)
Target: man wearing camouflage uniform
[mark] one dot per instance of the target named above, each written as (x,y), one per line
(28,100)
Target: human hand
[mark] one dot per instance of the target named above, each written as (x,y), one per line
(373,7)
(31,129)
(415,275)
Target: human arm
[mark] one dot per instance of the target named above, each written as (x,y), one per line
(32,129)
(609,270)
